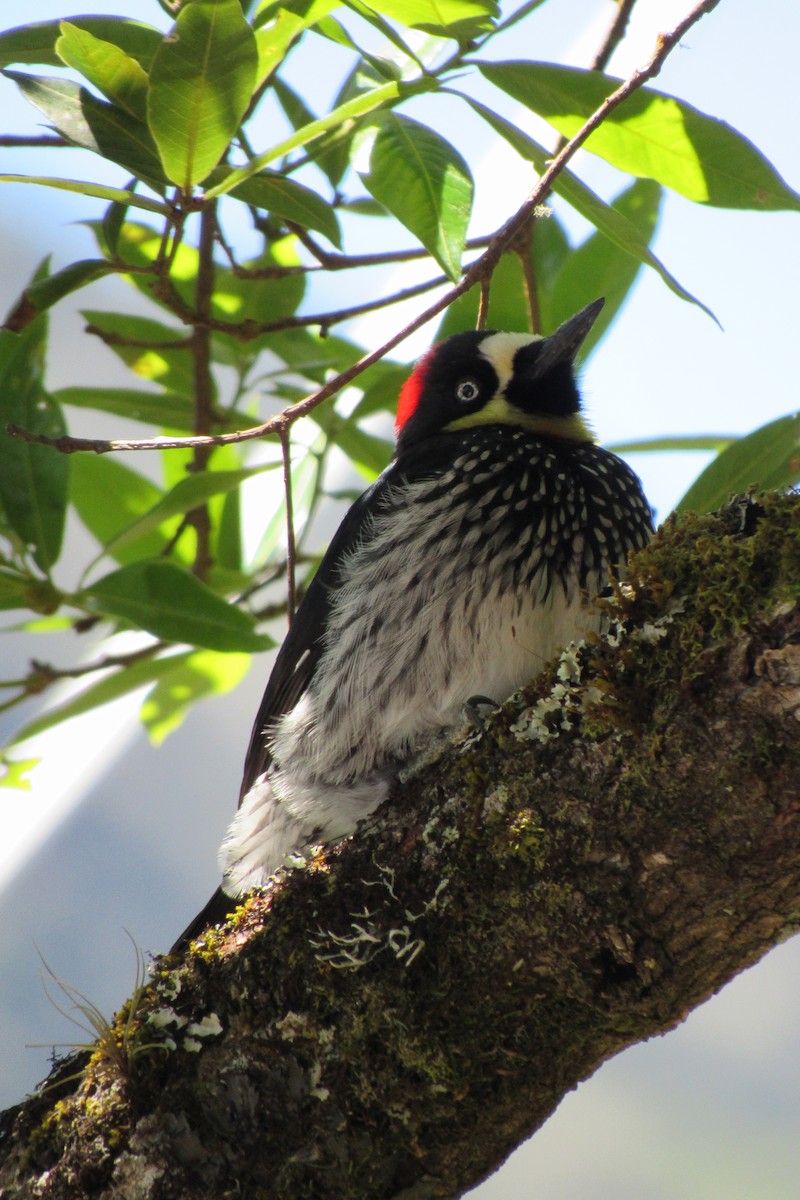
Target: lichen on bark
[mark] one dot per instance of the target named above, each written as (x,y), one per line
(620,840)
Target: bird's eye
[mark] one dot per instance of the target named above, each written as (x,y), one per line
(467,390)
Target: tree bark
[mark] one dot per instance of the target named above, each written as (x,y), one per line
(610,849)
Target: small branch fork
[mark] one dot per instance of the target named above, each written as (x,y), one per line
(478,271)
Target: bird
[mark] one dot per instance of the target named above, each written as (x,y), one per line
(470,561)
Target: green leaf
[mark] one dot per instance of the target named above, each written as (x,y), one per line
(768,457)
(241,299)
(201,82)
(168,602)
(424,182)
(186,495)
(15,772)
(34,479)
(94,124)
(112,686)
(305,479)
(312,356)
(461,19)
(611,223)
(599,267)
(167,409)
(152,350)
(108,497)
(230,551)
(275,193)
(36,43)
(508,305)
(82,188)
(710,441)
(44,293)
(113,72)
(202,673)
(359,106)
(650,134)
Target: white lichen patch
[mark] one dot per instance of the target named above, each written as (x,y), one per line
(562,709)
(160,1018)
(375,931)
(210,1026)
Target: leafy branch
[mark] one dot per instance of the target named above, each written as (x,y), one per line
(477,272)
(237,352)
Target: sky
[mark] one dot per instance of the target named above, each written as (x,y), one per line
(116,835)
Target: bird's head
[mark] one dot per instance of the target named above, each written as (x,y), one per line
(489,378)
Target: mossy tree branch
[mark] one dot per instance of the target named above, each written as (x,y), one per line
(616,845)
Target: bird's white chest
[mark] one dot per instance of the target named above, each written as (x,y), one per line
(431,615)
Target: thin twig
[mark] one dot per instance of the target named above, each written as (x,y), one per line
(17,141)
(331,261)
(616,33)
(247,330)
(44,675)
(478,270)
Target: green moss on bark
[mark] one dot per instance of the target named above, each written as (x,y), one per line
(396,1018)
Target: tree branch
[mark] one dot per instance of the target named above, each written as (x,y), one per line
(479,270)
(619,842)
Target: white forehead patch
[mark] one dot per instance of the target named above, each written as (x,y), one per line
(500,348)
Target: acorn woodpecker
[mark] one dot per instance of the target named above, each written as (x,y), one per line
(459,573)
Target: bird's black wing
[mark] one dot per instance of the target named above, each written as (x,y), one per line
(293,670)
(300,653)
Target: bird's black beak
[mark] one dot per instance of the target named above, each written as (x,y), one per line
(562,346)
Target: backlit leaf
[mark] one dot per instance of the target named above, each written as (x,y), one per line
(612,223)
(275,193)
(36,43)
(187,494)
(201,81)
(44,293)
(650,134)
(94,124)
(768,457)
(598,267)
(111,686)
(113,72)
(202,673)
(423,181)
(82,188)
(462,19)
(172,604)
(152,350)
(108,497)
